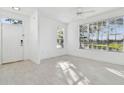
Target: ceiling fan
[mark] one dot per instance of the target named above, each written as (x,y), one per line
(81,11)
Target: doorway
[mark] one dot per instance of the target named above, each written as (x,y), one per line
(12,40)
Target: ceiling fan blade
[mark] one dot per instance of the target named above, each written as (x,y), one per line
(88,11)
(83,12)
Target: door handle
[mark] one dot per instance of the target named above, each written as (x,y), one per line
(21,42)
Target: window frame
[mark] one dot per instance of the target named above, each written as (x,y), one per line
(59,29)
(115,18)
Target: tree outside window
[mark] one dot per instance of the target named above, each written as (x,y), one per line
(60,37)
(103,35)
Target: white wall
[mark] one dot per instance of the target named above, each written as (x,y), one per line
(48,40)
(73,41)
(34,39)
(26,26)
(40,36)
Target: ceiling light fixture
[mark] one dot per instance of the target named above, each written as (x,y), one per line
(16,8)
(81,11)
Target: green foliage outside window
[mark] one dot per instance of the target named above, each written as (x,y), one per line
(60,38)
(103,35)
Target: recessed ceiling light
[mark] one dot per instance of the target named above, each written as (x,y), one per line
(16,8)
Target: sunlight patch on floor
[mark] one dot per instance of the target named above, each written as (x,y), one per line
(71,74)
(116,72)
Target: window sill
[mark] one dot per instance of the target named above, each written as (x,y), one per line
(103,51)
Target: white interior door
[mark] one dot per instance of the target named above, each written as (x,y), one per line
(12,42)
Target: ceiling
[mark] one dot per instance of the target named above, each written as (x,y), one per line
(26,11)
(63,14)
(68,14)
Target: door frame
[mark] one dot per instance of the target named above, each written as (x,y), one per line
(1,31)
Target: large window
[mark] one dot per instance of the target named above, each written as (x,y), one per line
(84,36)
(60,37)
(103,35)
